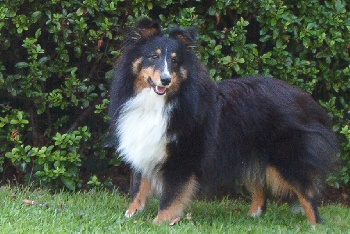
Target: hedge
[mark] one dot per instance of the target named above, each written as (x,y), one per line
(57,57)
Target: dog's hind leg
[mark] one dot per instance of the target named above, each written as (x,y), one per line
(258,205)
(174,200)
(139,200)
(281,186)
(310,207)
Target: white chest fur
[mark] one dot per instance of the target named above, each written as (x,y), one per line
(141,129)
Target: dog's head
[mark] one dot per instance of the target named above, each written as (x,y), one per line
(159,59)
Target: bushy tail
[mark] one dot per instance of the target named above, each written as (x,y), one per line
(322,150)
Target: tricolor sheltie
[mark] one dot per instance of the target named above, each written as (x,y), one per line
(181,130)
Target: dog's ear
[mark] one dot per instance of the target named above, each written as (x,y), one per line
(144,29)
(148,28)
(187,36)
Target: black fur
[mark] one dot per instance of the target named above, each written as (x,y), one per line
(232,130)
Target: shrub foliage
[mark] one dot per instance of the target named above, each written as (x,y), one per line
(56,61)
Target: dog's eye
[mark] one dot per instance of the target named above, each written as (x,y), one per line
(154,56)
(174,61)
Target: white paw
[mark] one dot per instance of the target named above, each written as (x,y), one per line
(129,214)
(257,213)
(134,210)
(296,208)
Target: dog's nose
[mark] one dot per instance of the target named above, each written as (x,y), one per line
(165,79)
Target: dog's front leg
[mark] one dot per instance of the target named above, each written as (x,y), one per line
(175,198)
(140,198)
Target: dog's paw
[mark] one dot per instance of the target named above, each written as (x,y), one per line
(130,213)
(134,209)
(255,213)
(165,217)
(296,208)
(159,221)
(175,221)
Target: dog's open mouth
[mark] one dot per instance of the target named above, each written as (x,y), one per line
(160,90)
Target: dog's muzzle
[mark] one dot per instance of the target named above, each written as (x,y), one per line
(160,90)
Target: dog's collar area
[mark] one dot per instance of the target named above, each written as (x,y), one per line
(160,90)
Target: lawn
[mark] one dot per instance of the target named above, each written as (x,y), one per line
(103,212)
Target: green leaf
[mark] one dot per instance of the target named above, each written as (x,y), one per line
(35,16)
(38,33)
(267,55)
(20,115)
(340,6)
(226,60)
(80,11)
(240,60)
(212,10)
(236,67)
(69,183)
(273,22)
(43,60)
(22,65)
(14,121)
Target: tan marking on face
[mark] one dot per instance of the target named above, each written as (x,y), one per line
(158,51)
(174,212)
(141,81)
(280,186)
(139,202)
(136,65)
(183,73)
(176,80)
(173,55)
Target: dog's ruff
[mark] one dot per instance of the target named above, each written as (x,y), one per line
(141,129)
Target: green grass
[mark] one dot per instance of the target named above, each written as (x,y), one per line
(103,212)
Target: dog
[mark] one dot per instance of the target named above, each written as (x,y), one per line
(180,130)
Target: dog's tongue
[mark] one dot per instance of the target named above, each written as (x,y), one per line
(160,90)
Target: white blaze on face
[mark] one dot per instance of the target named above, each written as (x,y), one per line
(166,69)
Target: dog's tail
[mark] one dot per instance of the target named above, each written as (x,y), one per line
(320,142)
